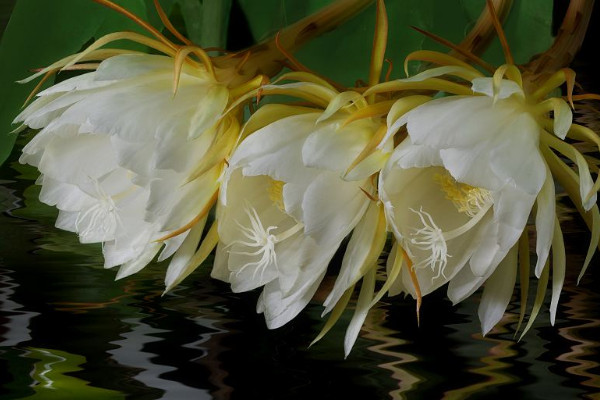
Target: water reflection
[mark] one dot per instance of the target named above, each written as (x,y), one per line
(66,327)
(389,342)
(496,363)
(14,319)
(582,335)
(131,353)
(51,379)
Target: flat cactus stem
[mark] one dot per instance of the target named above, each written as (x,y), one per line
(266,59)
(567,43)
(481,35)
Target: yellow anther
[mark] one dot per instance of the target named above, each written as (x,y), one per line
(467,199)
(276,193)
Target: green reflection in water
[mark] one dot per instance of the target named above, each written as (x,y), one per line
(495,365)
(387,344)
(50,379)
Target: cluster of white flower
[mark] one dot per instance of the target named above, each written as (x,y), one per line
(455,179)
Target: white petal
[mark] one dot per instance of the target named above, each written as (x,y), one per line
(127,66)
(341,100)
(498,291)
(544,222)
(464,284)
(516,159)
(361,311)
(367,167)
(78,159)
(332,207)
(276,150)
(392,129)
(279,310)
(334,149)
(172,245)
(133,266)
(64,196)
(34,150)
(563,117)
(78,83)
(67,220)
(32,117)
(471,166)
(185,203)
(438,122)
(184,254)
(486,86)
(558,268)
(208,111)
(220,270)
(355,257)
(397,286)
(511,212)
(408,155)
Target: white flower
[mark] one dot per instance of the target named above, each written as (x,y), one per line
(284,207)
(459,190)
(119,152)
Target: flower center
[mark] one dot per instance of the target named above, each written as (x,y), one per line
(469,200)
(466,198)
(260,238)
(101,218)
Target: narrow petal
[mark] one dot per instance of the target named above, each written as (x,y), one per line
(559,262)
(183,254)
(341,100)
(362,253)
(332,207)
(133,266)
(360,313)
(507,88)
(279,310)
(498,291)
(544,222)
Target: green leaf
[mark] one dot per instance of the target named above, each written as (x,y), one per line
(206,22)
(527,27)
(41,32)
(266,17)
(344,53)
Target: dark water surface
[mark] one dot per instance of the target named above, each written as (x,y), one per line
(68,330)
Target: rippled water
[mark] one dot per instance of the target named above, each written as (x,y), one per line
(67,330)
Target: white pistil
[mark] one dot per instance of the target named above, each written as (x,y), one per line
(433,240)
(263,240)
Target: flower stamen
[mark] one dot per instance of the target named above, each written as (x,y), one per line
(467,199)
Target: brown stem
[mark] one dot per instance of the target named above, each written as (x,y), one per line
(266,59)
(566,44)
(480,36)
